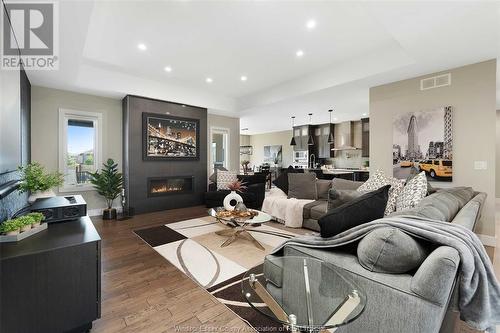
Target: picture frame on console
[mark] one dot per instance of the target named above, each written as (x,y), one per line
(167,137)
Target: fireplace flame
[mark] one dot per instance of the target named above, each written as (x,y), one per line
(165,188)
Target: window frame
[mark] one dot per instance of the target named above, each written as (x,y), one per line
(64,116)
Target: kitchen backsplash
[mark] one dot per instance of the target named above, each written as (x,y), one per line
(349,159)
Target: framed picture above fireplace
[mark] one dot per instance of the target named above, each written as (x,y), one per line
(168,137)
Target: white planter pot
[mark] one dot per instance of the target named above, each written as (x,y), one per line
(36,224)
(38,195)
(12,233)
(233,196)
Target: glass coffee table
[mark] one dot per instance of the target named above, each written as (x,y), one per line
(238,227)
(303,294)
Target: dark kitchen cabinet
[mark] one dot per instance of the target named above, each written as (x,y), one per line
(323,148)
(365,132)
(51,282)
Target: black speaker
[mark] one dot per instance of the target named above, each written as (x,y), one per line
(60,208)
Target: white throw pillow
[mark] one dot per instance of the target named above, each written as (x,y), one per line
(224,178)
(378,180)
(414,191)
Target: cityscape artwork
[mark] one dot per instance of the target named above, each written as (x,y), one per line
(170,138)
(423,141)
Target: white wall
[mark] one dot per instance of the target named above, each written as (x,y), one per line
(472,96)
(45,104)
(258,142)
(497,171)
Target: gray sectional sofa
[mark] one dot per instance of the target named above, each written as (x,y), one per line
(417,301)
(342,191)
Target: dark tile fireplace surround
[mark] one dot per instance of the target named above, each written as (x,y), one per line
(160,185)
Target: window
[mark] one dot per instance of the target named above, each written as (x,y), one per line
(79,148)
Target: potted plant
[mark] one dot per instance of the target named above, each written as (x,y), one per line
(37,219)
(25,222)
(10,227)
(38,182)
(108,183)
(245,164)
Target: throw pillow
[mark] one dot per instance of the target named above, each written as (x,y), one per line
(413,192)
(322,187)
(302,186)
(344,184)
(224,178)
(213,177)
(337,198)
(390,250)
(413,173)
(379,179)
(282,181)
(366,208)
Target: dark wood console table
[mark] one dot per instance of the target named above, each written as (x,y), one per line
(51,282)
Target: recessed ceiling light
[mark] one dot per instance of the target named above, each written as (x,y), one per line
(311,24)
(335,119)
(243,78)
(168,69)
(365,114)
(299,53)
(209,80)
(142,47)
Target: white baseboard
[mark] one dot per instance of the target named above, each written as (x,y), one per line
(487,240)
(98,211)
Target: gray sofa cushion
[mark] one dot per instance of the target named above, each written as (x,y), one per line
(442,205)
(306,211)
(337,198)
(344,184)
(390,250)
(302,186)
(322,188)
(319,210)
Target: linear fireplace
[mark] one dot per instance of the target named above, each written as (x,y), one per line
(161,186)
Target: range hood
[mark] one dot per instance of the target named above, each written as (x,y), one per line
(345,135)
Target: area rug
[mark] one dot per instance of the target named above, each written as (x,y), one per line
(194,248)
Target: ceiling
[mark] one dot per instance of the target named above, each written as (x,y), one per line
(355,45)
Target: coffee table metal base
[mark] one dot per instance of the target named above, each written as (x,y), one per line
(233,234)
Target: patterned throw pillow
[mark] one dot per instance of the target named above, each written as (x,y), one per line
(224,178)
(378,180)
(414,191)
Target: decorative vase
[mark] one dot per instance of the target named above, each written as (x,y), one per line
(41,194)
(109,214)
(231,200)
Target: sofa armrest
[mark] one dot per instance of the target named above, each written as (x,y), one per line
(434,279)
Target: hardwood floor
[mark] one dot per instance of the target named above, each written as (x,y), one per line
(143,292)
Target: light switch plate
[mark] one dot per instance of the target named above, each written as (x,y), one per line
(480,165)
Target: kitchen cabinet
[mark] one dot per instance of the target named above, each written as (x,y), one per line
(323,148)
(365,132)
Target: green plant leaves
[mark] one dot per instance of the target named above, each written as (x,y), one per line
(108,182)
(34,178)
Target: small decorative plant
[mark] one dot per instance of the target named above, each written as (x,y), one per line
(37,218)
(35,179)
(10,227)
(108,183)
(25,222)
(245,164)
(237,186)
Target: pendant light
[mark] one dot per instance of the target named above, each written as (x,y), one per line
(330,137)
(310,141)
(292,142)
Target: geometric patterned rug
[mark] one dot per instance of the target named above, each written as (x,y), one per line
(194,248)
